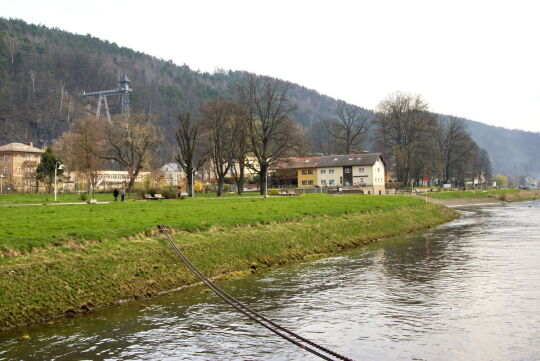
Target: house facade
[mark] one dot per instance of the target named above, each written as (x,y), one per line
(18,163)
(106,180)
(364,170)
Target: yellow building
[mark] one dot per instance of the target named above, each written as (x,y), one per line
(18,163)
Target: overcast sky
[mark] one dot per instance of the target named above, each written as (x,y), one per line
(475,59)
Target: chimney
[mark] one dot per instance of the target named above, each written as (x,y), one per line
(30,144)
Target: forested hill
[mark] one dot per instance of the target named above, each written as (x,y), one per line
(43,72)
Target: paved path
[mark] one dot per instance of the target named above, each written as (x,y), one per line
(47,204)
(454,203)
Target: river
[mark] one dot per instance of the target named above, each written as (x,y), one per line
(466,290)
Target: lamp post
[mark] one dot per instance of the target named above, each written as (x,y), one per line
(266,185)
(192,182)
(57,166)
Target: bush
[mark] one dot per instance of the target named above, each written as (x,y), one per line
(84,197)
(169,193)
(273,192)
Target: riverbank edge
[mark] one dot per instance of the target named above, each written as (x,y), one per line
(64,282)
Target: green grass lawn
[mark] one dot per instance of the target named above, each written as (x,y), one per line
(22,198)
(472,194)
(23,228)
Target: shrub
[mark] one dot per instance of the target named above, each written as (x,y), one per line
(84,197)
(169,193)
(273,192)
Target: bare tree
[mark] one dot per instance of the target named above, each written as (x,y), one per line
(454,144)
(266,106)
(239,148)
(79,148)
(130,141)
(403,121)
(191,152)
(350,127)
(217,123)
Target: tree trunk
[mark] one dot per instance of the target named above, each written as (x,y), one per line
(262,179)
(220,182)
(190,184)
(240,181)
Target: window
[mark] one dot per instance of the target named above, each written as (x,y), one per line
(19,169)
(331,181)
(347,170)
(323,182)
(5,170)
(330,171)
(307,182)
(378,169)
(361,170)
(323,171)
(18,158)
(307,171)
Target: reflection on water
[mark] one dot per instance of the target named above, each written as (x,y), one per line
(468,290)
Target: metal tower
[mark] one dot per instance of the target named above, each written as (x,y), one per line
(123,90)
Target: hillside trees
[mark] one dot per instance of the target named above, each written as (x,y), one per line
(266,107)
(350,127)
(130,141)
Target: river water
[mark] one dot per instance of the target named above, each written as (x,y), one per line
(467,290)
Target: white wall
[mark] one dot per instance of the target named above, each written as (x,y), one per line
(334,178)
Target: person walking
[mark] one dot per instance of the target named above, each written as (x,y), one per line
(122,194)
(115,194)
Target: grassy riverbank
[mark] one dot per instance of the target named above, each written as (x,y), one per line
(78,275)
(23,229)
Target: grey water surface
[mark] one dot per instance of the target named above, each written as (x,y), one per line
(467,290)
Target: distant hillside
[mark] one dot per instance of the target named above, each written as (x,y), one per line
(513,152)
(43,72)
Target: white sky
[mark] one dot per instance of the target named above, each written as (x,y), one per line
(475,59)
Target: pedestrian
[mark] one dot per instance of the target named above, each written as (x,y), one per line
(115,195)
(122,194)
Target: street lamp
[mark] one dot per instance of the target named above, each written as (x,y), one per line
(57,166)
(193,182)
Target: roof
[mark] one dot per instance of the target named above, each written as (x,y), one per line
(20,147)
(293,163)
(349,160)
(327,161)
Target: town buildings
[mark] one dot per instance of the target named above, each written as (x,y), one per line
(18,163)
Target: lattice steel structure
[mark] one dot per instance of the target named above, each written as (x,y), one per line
(123,90)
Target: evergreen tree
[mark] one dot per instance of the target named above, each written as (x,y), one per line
(45,168)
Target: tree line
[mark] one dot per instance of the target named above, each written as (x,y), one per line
(257,123)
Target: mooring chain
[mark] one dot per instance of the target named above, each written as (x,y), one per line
(252,314)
